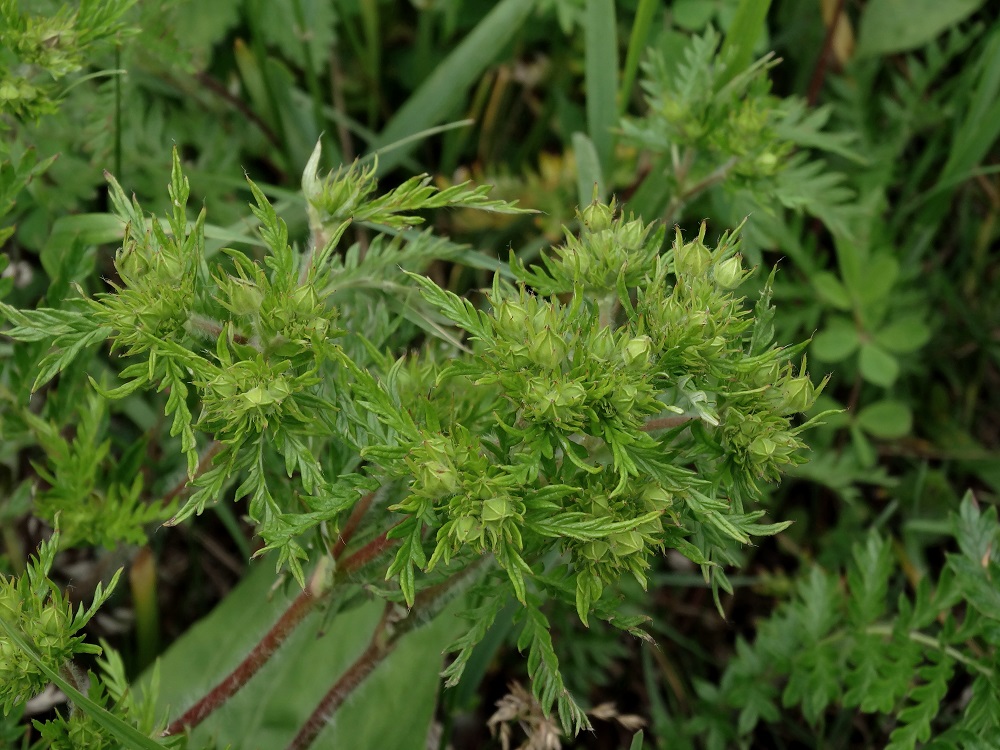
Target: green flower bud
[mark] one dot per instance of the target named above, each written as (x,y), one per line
(637,351)
(548,349)
(595,550)
(799,394)
(244,297)
(729,273)
(632,234)
(554,401)
(597,217)
(625,543)
(466,529)
(602,345)
(259,396)
(623,398)
(657,498)
(511,318)
(496,509)
(50,628)
(691,258)
(576,258)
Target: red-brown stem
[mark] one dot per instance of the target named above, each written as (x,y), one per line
(214,448)
(819,72)
(271,642)
(395,623)
(366,554)
(353,520)
(378,649)
(257,658)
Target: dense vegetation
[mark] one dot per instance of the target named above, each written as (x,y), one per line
(454,374)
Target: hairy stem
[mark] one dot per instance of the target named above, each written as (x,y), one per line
(292,617)
(260,654)
(394,624)
(204,462)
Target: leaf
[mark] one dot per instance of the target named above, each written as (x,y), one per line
(836,342)
(831,290)
(886,419)
(272,706)
(877,365)
(891,26)
(601,78)
(588,171)
(904,335)
(748,25)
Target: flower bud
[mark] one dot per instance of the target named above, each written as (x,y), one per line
(548,349)
(626,543)
(602,345)
(511,317)
(799,394)
(496,509)
(691,258)
(244,297)
(657,498)
(466,528)
(632,234)
(595,550)
(637,351)
(729,273)
(597,217)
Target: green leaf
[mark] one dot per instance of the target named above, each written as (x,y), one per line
(904,335)
(746,28)
(831,290)
(588,171)
(601,77)
(886,420)
(641,27)
(891,26)
(836,342)
(270,709)
(877,365)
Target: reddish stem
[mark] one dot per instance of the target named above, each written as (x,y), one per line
(366,554)
(271,642)
(353,521)
(664,423)
(819,72)
(257,658)
(214,448)
(378,649)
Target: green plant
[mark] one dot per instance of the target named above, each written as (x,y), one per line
(631,405)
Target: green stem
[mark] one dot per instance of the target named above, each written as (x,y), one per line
(927,640)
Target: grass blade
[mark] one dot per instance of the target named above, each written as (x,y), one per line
(601,73)
(437,98)
(747,26)
(641,27)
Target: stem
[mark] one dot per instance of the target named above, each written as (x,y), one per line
(395,623)
(213,449)
(378,649)
(683,196)
(928,640)
(301,606)
(257,658)
(353,521)
(366,554)
(664,423)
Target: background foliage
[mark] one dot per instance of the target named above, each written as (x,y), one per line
(860,139)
